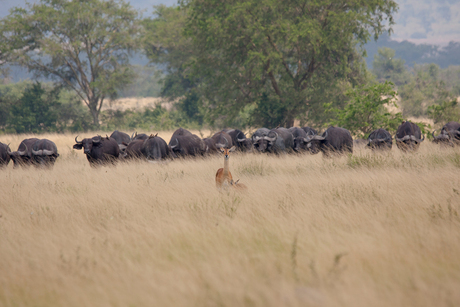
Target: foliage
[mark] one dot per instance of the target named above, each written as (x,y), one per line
(251,51)
(35,111)
(445,112)
(83,45)
(147,83)
(149,119)
(165,44)
(424,89)
(388,68)
(366,110)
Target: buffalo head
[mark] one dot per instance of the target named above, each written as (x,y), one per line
(88,144)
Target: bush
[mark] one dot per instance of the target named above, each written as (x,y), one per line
(366,110)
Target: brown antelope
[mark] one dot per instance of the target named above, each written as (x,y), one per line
(223,175)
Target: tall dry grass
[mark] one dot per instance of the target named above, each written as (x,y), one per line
(366,230)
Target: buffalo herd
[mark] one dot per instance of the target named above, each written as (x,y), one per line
(101,150)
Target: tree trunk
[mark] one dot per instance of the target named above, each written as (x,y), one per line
(95,115)
(290,121)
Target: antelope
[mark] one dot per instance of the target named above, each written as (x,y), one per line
(223,175)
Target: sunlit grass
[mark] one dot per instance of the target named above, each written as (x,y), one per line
(362,230)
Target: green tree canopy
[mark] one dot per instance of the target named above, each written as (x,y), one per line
(388,68)
(82,44)
(367,110)
(284,52)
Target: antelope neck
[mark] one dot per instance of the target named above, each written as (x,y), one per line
(226,167)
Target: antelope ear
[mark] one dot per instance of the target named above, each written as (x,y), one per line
(232,149)
(221,149)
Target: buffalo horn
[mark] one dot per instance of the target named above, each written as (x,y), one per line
(405,138)
(241,140)
(318,137)
(256,138)
(42,152)
(97,140)
(24,152)
(76,141)
(271,139)
(174,146)
(432,133)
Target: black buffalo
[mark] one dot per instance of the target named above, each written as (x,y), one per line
(277,140)
(133,150)
(23,156)
(44,153)
(300,137)
(408,136)
(222,140)
(380,139)
(450,134)
(120,137)
(259,139)
(309,131)
(136,136)
(240,141)
(334,140)
(155,148)
(4,154)
(210,145)
(98,150)
(181,132)
(185,144)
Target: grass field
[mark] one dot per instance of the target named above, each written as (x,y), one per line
(365,230)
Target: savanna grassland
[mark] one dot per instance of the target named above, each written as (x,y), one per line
(365,230)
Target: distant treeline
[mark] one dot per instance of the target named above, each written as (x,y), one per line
(416,54)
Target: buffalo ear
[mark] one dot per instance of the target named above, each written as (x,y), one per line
(78,146)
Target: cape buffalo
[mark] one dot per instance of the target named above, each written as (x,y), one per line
(155,148)
(133,150)
(241,142)
(334,140)
(310,131)
(98,150)
(4,154)
(187,145)
(379,139)
(222,140)
(23,156)
(258,139)
(120,137)
(210,145)
(450,134)
(44,153)
(141,136)
(279,140)
(299,138)
(181,132)
(408,136)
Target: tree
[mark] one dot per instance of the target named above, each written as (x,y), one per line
(423,90)
(82,44)
(388,68)
(283,52)
(367,110)
(165,44)
(36,110)
(445,112)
